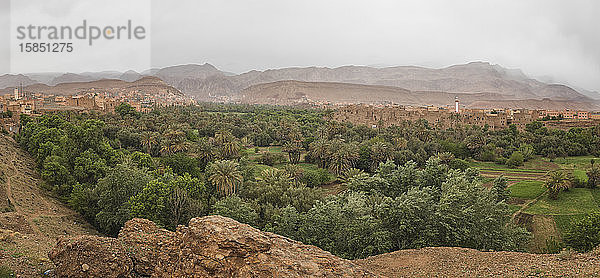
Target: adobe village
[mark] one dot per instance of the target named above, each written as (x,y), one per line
(187,171)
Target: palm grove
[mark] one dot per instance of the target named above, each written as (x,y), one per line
(404,186)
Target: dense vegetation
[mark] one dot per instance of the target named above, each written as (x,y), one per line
(404,186)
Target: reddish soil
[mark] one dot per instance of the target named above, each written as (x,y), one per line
(463,262)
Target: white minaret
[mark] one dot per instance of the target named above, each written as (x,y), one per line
(16,93)
(456,105)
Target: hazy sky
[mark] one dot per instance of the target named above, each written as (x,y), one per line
(545,38)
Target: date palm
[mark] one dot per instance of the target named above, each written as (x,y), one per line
(225,176)
(149,140)
(556,182)
(380,152)
(319,150)
(295,172)
(593,175)
(343,157)
(351,173)
(274,176)
(227,145)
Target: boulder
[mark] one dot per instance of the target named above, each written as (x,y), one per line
(91,256)
(211,246)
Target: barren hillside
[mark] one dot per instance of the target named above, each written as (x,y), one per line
(297,92)
(149,85)
(206,82)
(476,77)
(12,81)
(30,219)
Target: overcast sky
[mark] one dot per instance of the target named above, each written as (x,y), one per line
(556,39)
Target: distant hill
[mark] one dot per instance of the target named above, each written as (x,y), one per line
(207,83)
(296,92)
(146,84)
(70,78)
(476,77)
(130,76)
(12,81)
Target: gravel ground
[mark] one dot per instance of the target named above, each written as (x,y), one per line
(463,262)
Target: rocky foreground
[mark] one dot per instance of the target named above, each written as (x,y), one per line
(211,246)
(216,246)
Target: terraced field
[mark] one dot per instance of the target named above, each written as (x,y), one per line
(547,219)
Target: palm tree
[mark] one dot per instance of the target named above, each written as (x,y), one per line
(319,150)
(149,140)
(274,177)
(166,149)
(556,182)
(295,171)
(380,152)
(294,150)
(203,149)
(227,145)
(175,142)
(225,176)
(593,175)
(351,173)
(343,157)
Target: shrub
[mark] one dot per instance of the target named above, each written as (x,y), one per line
(527,151)
(314,178)
(459,164)
(577,181)
(500,189)
(516,159)
(487,156)
(554,246)
(236,208)
(584,235)
(501,160)
(269,158)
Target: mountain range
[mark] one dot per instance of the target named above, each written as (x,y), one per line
(479,83)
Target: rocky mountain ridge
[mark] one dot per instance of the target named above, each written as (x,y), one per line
(207,83)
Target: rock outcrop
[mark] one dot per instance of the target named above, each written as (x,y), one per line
(211,246)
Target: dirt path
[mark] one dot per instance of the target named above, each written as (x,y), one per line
(544,232)
(513,175)
(16,205)
(526,205)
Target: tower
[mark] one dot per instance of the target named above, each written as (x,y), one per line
(17,93)
(456,105)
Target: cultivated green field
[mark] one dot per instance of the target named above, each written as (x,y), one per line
(573,201)
(527,189)
(529,195)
